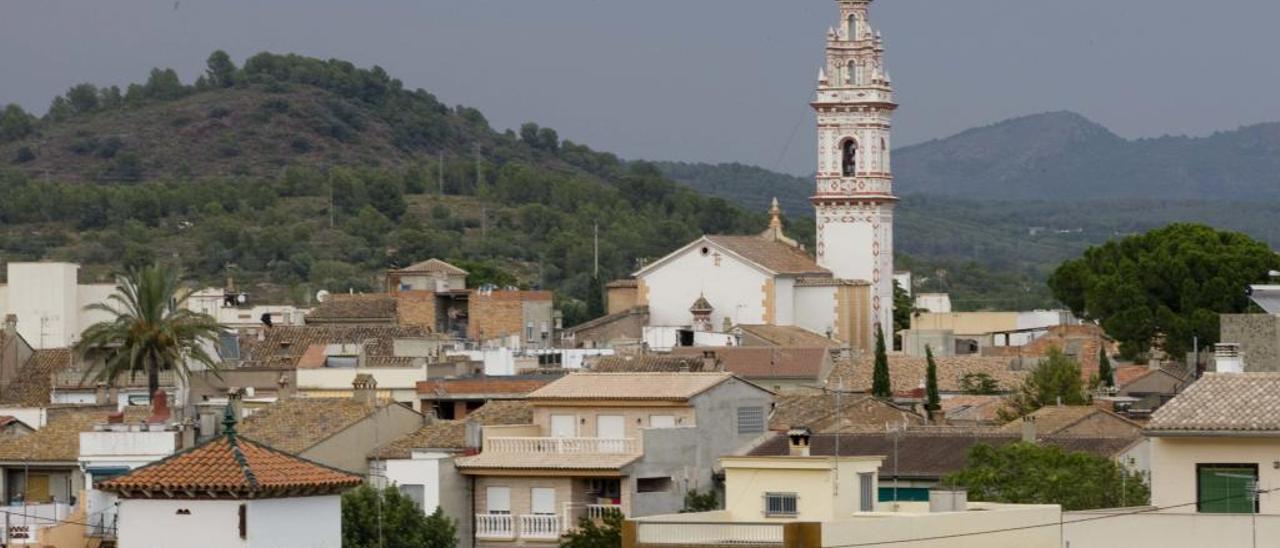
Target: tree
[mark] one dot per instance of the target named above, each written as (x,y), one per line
(15,123)
(595,298)
(903,308)
(387,518)
(83,98)
(880,384)
(1106,375)
(695,501)
(387,196)
(589,534)
(1056,379)
(933,402)
(1167,285)
(221,71)
(150,330)
(1027,473)
(979,384)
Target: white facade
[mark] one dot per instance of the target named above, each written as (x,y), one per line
(854,201)
(49,302)
(211,301)
(734,286)
(302,522)
(421,468)
(112,450)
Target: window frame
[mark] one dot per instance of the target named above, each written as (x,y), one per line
(782,498)
(1253,466)
(738,419)
(488,499)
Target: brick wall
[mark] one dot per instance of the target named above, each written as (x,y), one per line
(417,308)
(500,313)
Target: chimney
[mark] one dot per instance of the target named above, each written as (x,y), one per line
(188,433)
(1227,358)
(159,408)
(365,389)
(1029,429)
(799,438)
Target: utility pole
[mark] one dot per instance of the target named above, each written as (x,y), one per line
(484,222)
(479,167)
(330,201)
(596,247)
(440,172)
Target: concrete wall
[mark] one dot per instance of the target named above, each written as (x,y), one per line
(813,480)
(216,523)
(1023,526)
(46,300)
(816,309)
(1174,459)
(349,449)
(1155,530)
(1258,336)
(966,323)
(619,299)
(311,522)
(733,288)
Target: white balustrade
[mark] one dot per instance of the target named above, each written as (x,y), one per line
(495,526)
(678,533)
(599,511)
(540,526)
(562,446)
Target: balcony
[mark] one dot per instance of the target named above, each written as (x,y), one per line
(597,512)
(563,446)
(25,523)
(540,527)
(495,526)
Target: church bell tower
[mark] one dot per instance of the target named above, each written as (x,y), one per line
(854,200)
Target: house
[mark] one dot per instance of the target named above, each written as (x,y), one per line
(432,275)
(1083,343)
(907,373)
(795,498)
(14,352)
(232,492)
(629,442)
(34,382)
(336,432)
(420,464)
(621,330)
(975,332)
(1217,444)
(1076,420)
(1146,388)
(829,413)
(12,427)
(456,398)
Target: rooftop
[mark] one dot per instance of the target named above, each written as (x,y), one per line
(856,413)
(774,255)
(452,435)
(1055,419)
(907,373)
(33,384)
(629,386)
(363,307)
(1242,403)
(432,265)
(284,347)
(483,385)
(578,462)
(296,424)
(787,335)
(647,363)
(59,440)
(766,362)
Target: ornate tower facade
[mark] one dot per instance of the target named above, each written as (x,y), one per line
(854,201)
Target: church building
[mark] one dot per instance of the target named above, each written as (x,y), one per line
(845,288)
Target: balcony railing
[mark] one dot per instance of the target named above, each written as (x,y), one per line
(562,446)
(599,511)
(495,526)
(540,526)
(26,522)
(693,533)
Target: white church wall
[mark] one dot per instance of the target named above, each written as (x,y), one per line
(784,301)
(816,309)
(845,245)
(734,289)
(661,338)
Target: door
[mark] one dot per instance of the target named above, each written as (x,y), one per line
(564,426)
(37,489)
(611,427)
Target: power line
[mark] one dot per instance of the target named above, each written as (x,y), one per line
(1058,523)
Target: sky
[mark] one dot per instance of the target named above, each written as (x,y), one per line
(698,80)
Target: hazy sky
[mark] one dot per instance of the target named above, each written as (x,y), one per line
(706,80)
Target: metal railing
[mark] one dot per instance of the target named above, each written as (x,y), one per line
(102,524)
(495,526)
(540,526)
(562,446)
(689,533)
(22,523)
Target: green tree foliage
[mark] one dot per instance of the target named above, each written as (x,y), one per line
(15,123)
(881,387)
(979,384)
(933,402)
(388,519)
(163,85)
(1026,473)
(595,297)
(1167,285)
(1056,379)
(1106,375)
(903,307)
(220,71)
(696,501)
(83,98)
(589,534)
(148,331)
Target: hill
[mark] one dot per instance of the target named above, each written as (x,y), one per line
(294,174)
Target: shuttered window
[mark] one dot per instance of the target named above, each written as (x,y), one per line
(780,504)
(750,420)
(498,500)
(866,487)
(1226,488)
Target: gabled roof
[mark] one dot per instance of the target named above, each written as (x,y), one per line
(296,424)
(432,265)
(767,254)
(824,412)
(765,362)
(982,409)
(1223,403)
(648,363)
(787,335)
(33,384)
(1056,419)
(232,467)
(59,440)
(503,412)
(379,307)
(629,386)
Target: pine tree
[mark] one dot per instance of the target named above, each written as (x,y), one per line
(880,385)
(1105,372)
(933,401)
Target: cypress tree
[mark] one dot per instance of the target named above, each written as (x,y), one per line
(933,401)
(1105,372)
(595,298)
(880,386)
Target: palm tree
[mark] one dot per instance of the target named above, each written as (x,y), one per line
(150,330)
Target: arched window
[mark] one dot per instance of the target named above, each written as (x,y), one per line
(855,74)
(853,27)
(849,158)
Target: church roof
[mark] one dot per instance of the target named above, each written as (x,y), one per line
(432,265)
(771,254)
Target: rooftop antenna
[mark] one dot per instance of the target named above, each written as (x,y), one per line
(596,247)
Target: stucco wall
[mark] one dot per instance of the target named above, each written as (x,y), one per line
(216,523)
(816,309)
(349,449)
(1086,530)
(304,522)
(1018,527)
(634,418)
(731,286)
(1174,459)
(1258,336)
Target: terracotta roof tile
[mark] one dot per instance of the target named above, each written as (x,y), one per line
(453,434)
(371,307)
(296,424)
(973,408)
(432,265)
(284,347)
(763,362)
(59,440)
(771,254)
(482,385)
(1056,419)
(238,467)
(629,386)
(787,335)
(818,412)
(33,385)
(647,363)
(1223,402)
(906,373)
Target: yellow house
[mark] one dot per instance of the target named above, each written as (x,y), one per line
(800,488)
(1216,447)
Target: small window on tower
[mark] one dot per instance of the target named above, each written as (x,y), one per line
(849,158)
(853,27)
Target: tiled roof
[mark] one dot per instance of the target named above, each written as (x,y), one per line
(930,455)
(284,347)
(1129,374)
(906,373)
(629,386)
(510,386)
(59,440)
(973,408)
(432,265)
(503,412)
(765,362)
(610,318)
(235,467)
(453,434)
(647,363)
(294,425)
(623,283)
(545,461)
(1055,419)
(34,382)
(371,307)
(1223,402)
(771,254)
(857,413)
(787,335)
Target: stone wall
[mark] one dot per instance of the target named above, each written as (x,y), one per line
(1258,336)
(500,313)
(417,308)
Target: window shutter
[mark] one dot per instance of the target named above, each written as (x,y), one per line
(750,420)
(543,500)
(498,500)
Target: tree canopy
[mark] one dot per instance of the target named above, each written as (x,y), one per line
(1027,473)
(1164,287)
(1055,380)
(881,387)
(373,518)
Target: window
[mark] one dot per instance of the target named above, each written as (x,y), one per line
(849,158)
(406,287)
(564,426)
(528,331)
(751,420)
(414,492)
(867,492)
(779,504)
(653,485)
(244,521)
(662,421)
(498,500)
(542,501)
(1226,488)
(853,27)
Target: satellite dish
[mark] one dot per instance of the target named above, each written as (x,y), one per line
(322,296)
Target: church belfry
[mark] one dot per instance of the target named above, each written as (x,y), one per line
(854,200)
